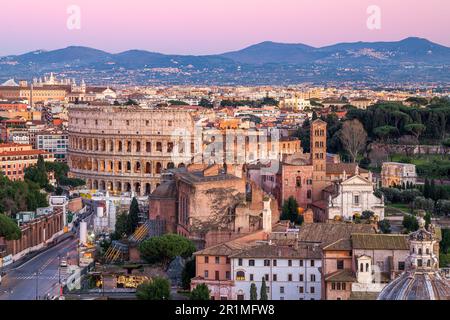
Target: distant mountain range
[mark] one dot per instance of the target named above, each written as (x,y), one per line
(411,59)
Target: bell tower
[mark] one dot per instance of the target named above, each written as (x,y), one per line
(318,157)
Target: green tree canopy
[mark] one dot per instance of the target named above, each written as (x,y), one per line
(156,289)
(9,228)
(165,248)
(290,211)
(200,293)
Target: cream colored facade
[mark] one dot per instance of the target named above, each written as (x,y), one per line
(125,149)
(397,174)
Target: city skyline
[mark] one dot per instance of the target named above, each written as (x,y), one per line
(202,27)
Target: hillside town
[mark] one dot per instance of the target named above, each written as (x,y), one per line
(292,192)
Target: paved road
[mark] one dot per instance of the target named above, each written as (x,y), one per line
(22,283)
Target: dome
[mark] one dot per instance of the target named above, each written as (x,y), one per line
(422,279)
(417,285)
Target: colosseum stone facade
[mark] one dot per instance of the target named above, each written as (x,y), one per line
(125,149)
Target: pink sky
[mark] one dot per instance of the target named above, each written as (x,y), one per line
(213,26)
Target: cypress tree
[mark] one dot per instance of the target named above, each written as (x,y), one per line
(426,189)
(133,216)
(263,294)
(253,293)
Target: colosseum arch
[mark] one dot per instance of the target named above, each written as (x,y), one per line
(103,145)
(128,167)
(138,146)
(137,188)
(127,187)
(119,146)
(158,168)
(95,185)
(109,186)
(181,165)
(95,144)
(148,189)
(137,167)
(148,147)
(170,165)
(102,185)
(111,146)
(148,168)
(118,186)
(90,144)
(84,144)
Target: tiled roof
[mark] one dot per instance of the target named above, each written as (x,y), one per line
(380,242)
(327,233)
(341,276)
(341,244)
(223,249)
(273,251)
(339,168)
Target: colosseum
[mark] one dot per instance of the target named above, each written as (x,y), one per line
(125,149)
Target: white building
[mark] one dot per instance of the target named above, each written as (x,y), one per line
(55,142)
(354,196)
(290,273)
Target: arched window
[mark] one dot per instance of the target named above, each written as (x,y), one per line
(240,276)
(148,168)
(367,267)
(420,251)
(361,267)
(158,168)
(428,251)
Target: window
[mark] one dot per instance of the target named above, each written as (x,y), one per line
(419,262)
(401,265)
(228,275)
(312,290)
(228,260)
(301,263)
(356,200)
(251,263)
(312,263)
(266,277)
(240,262)
(289,263)
(338,286)
(420,251)
(274,277)
(240,276)
(266,263)
(274,263)
(308,194)
(206,259)
(289,277)
(313,278)
(281,289)
(344,286)
(252,277)
(301,289)
(340,264)
(217,275)
(300,278)
(217,260)
(333,286)
(206,274)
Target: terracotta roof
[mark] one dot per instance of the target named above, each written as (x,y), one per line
(341,244)
(23,153)
(273,251)
(341,276)
(327,233)
(223,249)
(339,168)
(380,241)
